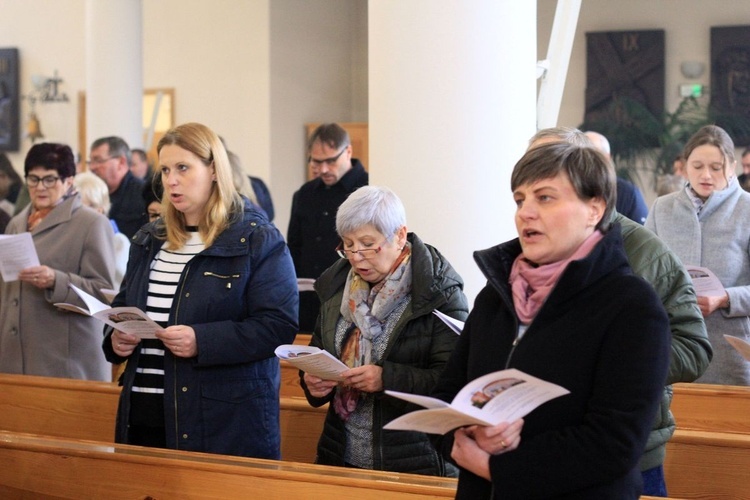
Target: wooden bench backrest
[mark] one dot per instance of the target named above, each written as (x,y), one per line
(708,465)
(40,466)
(712,407)
(81,409)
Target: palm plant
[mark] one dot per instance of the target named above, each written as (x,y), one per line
(644,143)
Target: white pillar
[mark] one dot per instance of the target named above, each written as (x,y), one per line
(452,105)
(114,70)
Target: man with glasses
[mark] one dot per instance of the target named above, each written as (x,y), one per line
(110,160)
(312,237)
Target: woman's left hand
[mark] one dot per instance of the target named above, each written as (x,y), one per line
(467,454)
(42,277)
(367,378)
(180,339)
(708,305)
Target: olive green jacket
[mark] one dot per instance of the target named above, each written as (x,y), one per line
(652,260)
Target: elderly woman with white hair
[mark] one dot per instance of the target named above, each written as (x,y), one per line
(95,194)
(376,316)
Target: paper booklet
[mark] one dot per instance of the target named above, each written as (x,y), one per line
(454,324)
(306,284)
(740,345)
(126,319)
(312,360)
(502,396)
(705,282)
(17,252)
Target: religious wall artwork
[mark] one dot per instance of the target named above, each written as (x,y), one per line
(624,65)
(9,103)
(730,78)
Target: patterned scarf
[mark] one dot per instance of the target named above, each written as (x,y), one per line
(37,216)
(532,284)
(368,308)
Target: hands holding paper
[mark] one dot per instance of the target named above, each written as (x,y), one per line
(41,277)
(366,378)
(473,445)
(708,305)
(180,339)
(124,343)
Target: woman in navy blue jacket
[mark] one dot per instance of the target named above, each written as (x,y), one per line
(561,304)
(217,276)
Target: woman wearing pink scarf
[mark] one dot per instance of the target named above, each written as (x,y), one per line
(561,304)
(376,316)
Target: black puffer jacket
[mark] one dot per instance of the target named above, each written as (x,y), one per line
(417,350)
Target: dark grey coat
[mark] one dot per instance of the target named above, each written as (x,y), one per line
(417,350)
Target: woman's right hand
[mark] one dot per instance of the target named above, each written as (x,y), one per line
(124,343)
(318,387)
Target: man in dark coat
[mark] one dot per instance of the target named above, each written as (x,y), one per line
(312,237)
(110,160)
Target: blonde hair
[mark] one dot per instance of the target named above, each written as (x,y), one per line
(93,190)
(224,203)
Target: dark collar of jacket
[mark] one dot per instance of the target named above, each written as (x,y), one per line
(496,263)
(430,274)
(233,241)
(356,176)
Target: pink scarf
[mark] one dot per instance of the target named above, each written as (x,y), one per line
(532,284)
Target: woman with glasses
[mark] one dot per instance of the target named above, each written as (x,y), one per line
(74,246)
(376,315)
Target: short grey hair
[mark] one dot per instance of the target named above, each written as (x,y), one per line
(560,134)
(376,205)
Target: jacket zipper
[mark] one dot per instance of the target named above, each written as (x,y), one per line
(222,276)
(174,365)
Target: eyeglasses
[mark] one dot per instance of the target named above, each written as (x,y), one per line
(316,164)
(47,181)
(98,161)
(366,253)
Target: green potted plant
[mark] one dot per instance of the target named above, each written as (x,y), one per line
(643,143)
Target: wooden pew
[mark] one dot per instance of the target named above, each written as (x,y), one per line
(78,409)
(81,409)
(708,465)
(709,407)
(49,467)
(290,385)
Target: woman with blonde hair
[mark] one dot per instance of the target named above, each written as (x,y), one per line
(218,277)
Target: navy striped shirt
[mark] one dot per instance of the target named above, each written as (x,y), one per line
(148,386)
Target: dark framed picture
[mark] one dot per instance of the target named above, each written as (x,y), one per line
(624,65)
(730,80)
(9,100)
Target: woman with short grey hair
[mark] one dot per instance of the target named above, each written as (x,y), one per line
(376,316)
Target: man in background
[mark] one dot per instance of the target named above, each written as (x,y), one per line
(630,202)
(139,163)
(312,236)
(110,160)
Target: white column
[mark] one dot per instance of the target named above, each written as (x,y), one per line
(452,104)
(114,70)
